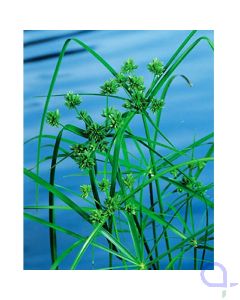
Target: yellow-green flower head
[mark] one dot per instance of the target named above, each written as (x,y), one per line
(103,146)
(104,185)
(156,67)
(121,79)
(157,104)
(129,66)
(72,100)
(114,117)
(85,160)
(129,181)
(77,149)
(98,216)
(82,115)
(96,132)
(130,208)
(53,118)
(110,87)
(138,102)
(136,83)
(86,190)
(113,204)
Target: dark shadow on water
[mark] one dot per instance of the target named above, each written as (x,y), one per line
(56,37)
(52,55)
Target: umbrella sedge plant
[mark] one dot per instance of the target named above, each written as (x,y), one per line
(139,204)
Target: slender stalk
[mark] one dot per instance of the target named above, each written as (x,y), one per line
(195,259)
(153,222)
(184,231)
(153,164)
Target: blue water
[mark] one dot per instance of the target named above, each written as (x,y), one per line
(188,115)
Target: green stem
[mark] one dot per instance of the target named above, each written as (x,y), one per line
(195,258)
(157,185)
(153,222)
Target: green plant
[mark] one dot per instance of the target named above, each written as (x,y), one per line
(123,196)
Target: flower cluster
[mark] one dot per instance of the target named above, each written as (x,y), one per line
(129,181)
(53,118)
(138,103)
(121,79)
(83,155)
(129,66)
(85,160)
(104,185)
(130,208)
(113,116)
(103,146)
(110,87)
(83,115)
(98,216)
(135,83)
(156,67)
(86,190)
(113,204)
(157,104)
(72,100)
(96,133)
(77,149)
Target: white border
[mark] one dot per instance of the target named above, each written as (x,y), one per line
(20,15)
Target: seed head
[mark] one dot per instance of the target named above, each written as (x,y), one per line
(129,181)
(72,100)
(156,67)
(98,216)
(53,118)
(129,66)
(103,146)
(112,204)
(138,102)
(77,149)
(85,160)
(121,79)
(130,208)
(110,87)
(104,185)
(114,117)
(96,132)
(86,190)
(157,104)
(82,115)
(136,83)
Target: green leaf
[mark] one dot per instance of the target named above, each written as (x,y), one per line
(51,212)
(85,245)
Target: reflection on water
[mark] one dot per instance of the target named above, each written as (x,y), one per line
(188,114)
